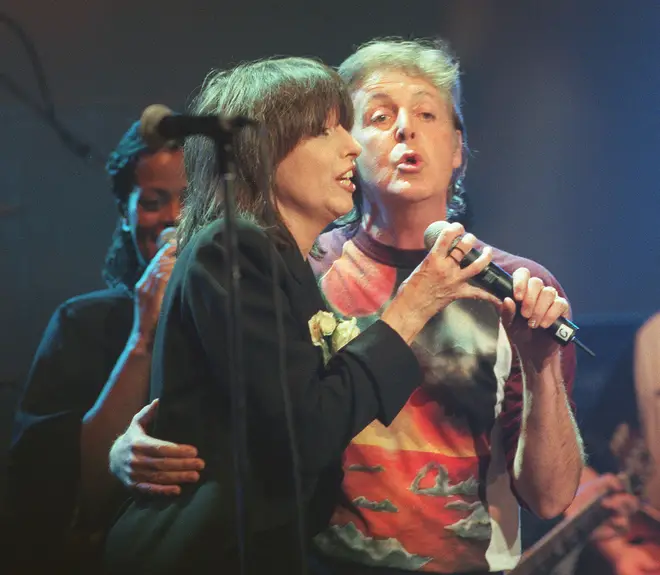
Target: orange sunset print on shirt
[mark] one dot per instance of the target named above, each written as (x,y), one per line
(419,489)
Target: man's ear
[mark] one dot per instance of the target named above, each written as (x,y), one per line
(457,159)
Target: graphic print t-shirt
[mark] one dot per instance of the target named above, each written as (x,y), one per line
(431,492)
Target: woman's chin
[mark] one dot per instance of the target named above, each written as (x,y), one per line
(343,208)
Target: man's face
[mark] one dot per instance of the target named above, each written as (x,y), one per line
(155,202)
(410,145)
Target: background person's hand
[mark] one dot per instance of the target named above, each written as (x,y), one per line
(150,465)
(149,292)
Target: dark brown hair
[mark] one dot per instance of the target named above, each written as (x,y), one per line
(291,99)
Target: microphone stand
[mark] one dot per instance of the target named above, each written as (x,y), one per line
(224,149)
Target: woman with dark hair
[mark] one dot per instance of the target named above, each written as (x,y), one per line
(90,375)
(144,210)
(337,381)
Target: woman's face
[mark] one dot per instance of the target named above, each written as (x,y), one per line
(313,182)
(155,202)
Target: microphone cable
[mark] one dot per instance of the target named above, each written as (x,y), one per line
(46,110)
(296,465)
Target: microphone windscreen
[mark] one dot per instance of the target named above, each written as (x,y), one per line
(149,121)
(432,232)
(166,236)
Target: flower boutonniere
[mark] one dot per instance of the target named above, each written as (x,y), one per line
(331,334)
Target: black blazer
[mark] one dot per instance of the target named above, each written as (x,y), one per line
(371,377)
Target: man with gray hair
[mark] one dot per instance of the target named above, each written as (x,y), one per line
(439,489)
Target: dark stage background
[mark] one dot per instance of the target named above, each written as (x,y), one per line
(562,102)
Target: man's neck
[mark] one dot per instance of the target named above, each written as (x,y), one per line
(401,226)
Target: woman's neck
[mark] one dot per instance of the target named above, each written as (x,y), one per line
(303,230)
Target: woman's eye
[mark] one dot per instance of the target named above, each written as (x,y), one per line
(150,205)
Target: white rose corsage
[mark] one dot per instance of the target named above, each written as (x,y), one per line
(331,334)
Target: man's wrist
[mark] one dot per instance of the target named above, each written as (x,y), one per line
(539,370)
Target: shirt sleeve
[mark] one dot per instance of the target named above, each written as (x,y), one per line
(371,377)
(44,460)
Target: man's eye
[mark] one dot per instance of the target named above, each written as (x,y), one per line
(378,119)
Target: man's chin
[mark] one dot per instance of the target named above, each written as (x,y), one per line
(408,192)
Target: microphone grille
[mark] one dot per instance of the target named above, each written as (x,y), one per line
(166,236)
(432,232)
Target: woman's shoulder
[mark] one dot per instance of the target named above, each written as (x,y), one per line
(208,246)
(206,256)
(214,234)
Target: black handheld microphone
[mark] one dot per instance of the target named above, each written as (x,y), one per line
(498,282)
(159,125)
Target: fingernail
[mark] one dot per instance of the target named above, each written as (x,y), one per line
(532,323)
